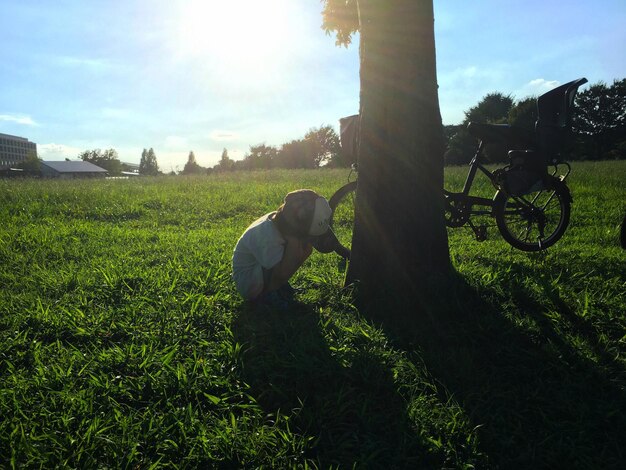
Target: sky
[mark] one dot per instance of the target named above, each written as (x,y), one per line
(204,75)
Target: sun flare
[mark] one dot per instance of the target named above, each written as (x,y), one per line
(240,35)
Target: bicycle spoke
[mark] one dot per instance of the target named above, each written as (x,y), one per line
(534,221)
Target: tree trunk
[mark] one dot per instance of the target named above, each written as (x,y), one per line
(399,236)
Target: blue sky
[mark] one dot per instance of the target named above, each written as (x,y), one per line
(203,75)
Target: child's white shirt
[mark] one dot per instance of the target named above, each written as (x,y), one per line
(260,247)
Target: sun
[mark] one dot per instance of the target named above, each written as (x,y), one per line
(239,35)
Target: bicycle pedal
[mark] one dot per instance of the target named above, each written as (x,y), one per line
(481,233)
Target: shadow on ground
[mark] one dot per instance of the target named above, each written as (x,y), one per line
(352,411)
(540,402)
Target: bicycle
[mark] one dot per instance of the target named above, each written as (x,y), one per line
(531,206)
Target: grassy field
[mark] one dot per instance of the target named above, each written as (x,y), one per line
(123,342)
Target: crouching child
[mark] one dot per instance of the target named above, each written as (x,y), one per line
(273,248)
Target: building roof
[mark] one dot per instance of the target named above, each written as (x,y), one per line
(74,167)
(14,137)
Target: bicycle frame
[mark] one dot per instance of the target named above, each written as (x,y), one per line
(468,201)
(475,165)
(461,206)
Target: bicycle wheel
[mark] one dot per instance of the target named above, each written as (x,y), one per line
(342,220)
(534,221)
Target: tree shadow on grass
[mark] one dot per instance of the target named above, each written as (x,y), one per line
(351,409)
(538,401)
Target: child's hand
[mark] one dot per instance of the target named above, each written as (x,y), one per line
(299,249)
(296,253)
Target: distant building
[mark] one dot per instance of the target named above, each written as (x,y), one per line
(68,170)
(14,150)
(131,167)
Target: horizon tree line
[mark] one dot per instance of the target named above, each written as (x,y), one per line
(599,126)
(599,123)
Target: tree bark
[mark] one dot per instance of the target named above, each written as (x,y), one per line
(399,236)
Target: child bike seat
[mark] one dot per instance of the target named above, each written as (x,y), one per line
(513,137)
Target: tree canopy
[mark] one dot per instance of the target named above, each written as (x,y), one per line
(225,163)
(319,147)
(600,119)
(107,159)
(31,164)
(341,17)
(493,108)
(148,164)
(192,167)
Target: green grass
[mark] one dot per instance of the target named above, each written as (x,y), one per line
(123,342)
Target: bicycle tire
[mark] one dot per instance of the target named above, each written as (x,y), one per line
(342,218)
(519,218)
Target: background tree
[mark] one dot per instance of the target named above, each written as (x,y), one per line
(142,160)
(192,167)
(108,160)
(493,108)
(460,145)
(524,114)
(319,146)
(225,163)
(31,163)
(322,145)
(261,156)
(600,118)
(295,154)
(148,164)
(400,236)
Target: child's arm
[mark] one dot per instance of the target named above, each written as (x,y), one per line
(296,253)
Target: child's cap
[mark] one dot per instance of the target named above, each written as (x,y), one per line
(307,212)
(321,217)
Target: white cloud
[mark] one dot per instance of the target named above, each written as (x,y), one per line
(537,87)
(463,87)
(93,64)
(24,120)
(57,151)
(175,142)
(222,136)
(467,72)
